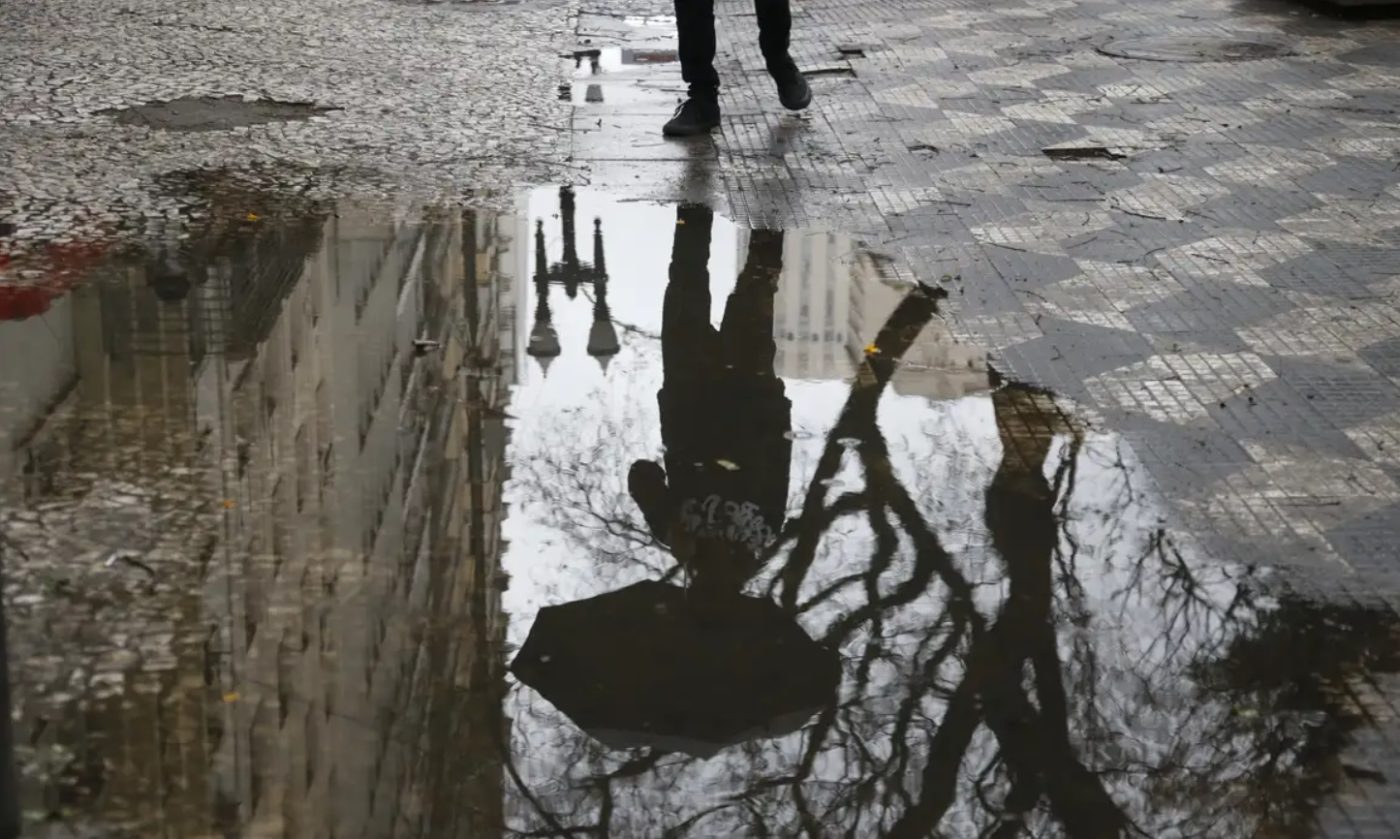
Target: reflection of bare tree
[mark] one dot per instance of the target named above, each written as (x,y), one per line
(580,498)
(1041,686)
(1033,736)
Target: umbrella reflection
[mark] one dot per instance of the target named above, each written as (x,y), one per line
(648,666)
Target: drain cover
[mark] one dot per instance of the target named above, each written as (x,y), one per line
(212,113)
(1193,49)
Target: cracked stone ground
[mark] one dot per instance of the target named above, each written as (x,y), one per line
(1182,219)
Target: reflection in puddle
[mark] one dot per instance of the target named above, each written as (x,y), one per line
(619,60)
(250,493)
(282,503)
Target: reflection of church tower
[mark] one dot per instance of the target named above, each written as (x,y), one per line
(571,273)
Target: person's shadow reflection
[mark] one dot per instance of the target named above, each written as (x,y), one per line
(699,668)
(719,500)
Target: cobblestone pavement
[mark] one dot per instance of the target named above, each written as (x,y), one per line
(442,99)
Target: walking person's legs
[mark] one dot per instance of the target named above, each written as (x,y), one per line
(746,331)
(695,24)
(695,27)
(774,31)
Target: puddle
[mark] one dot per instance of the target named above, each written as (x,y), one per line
(632,29)
(301,514)
(603,61)
(213,113)
(658,98)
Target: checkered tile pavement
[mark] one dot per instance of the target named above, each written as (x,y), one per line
(1205,254)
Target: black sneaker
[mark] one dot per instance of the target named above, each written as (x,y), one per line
(693,118)
(793,90)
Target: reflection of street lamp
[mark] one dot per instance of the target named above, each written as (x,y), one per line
(571,273)
(544,341)
(602,337)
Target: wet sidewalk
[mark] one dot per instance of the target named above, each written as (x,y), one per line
(1185,219)
(282,533)
(1021,422)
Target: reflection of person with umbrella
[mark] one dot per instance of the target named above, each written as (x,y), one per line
(697,669)
(724,416)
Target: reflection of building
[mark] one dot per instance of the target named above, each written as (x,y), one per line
(118,458)
(831,303)
(812,316)
(316,423)
(29,391)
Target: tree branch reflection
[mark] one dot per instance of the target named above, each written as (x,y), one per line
(1042,679)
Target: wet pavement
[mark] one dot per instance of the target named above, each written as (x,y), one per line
(1006,446)
(1184,222)
(291,509)
(370,98)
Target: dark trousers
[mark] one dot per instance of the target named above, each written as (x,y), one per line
(695,21)
(743,347)
(720,399)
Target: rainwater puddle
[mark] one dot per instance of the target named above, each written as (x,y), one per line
(608,517)
(214,113)
(620,61)
(632,29)
(625,78)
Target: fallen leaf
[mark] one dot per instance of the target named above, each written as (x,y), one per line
(871,349)
(228,503)
(252,217)
(231,697)
(728,464)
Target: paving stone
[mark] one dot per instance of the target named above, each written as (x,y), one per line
(1232,254)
